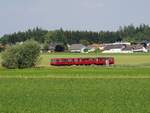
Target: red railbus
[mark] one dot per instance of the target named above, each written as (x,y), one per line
(82,61)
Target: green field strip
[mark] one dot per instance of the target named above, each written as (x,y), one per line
(75,77)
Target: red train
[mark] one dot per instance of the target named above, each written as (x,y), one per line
(82,61)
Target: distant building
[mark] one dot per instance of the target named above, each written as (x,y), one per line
(77,48)
(52,47)
(139,48)
(113,48)
(124,48)
(127,49)
(118,43)
(122,43)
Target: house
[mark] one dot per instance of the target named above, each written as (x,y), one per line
(123,43)
(77,48)
(118,48)
(139,48)
(51,47)
(124,48)
(57,47)
(113,48)
(127,49)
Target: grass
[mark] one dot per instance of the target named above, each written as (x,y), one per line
(122,88)
(74,95)
(81,71)
(75,90)
(135,59)
(120,59)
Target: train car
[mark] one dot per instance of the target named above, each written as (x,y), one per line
(82,61)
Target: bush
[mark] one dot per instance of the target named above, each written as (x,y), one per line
(2,48)
(21,56)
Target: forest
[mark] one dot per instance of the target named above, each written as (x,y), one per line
(128,33)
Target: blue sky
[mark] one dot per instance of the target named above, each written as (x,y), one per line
(92,15)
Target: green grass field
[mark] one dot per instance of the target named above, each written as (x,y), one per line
(121,88)
(138,59)
(120,59)
(74,95)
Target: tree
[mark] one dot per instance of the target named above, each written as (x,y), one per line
(21,56)
(84,42)
(126,33)
(59,36)
(49,37)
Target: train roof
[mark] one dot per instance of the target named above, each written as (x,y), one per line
(82,58)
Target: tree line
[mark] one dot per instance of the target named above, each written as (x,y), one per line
(129,33)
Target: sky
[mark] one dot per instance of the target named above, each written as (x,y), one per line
(95,15)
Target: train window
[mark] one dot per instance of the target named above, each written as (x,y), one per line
(53,60)
(100,59)
(75,60)
(69,60)
(84,59)
(57,60)
(65,60)
(97,59)
(90,59)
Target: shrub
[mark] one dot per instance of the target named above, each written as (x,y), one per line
(21,56)
(2,48)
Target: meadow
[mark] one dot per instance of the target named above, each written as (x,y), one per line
(136,59)
(121,88)
(22,95)
(120,59)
